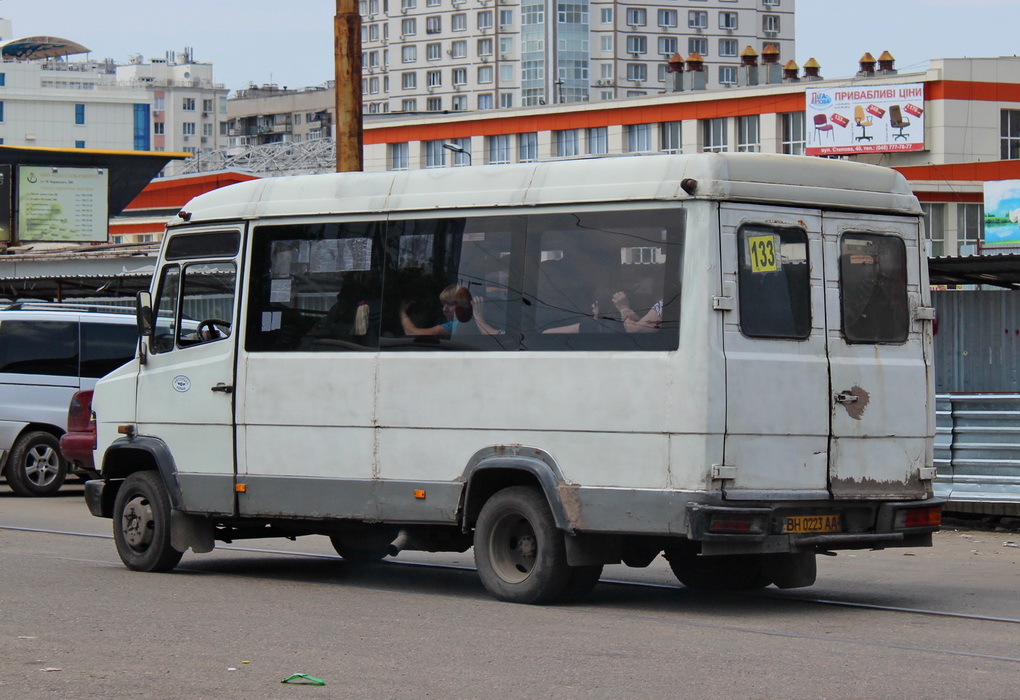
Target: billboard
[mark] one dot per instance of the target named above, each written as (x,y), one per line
(62,204)
(873,119)
(1002,214)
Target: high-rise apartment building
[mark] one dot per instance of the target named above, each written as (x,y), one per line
(459,55)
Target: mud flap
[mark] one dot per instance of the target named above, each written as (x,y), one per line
(190,531)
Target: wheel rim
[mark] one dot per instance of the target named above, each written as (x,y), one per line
(137,523)
(513,546)
(42,463)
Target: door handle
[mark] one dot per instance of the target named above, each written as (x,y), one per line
(223,388)
(846,397)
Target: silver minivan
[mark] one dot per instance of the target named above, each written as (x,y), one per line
(47,353)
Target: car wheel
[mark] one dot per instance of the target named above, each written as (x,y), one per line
(35,466)
(141,524)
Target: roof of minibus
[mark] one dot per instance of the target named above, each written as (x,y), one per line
(749,177)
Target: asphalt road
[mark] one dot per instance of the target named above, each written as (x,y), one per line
(942,622)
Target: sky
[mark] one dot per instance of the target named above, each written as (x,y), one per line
(291,44)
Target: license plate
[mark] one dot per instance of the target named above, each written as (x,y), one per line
(811,523)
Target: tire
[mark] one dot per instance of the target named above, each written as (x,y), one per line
(582,581)
(732,572)
(366,552)
(520,555)
(35,466)
(141,524)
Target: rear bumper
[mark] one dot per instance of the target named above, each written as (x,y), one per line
(78,447)
(863,525)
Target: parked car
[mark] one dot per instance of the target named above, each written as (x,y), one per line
(78,443)
(47,353)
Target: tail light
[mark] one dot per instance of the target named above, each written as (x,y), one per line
(79,413)
(930,516)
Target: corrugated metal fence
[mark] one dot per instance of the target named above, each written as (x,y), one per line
(977,452)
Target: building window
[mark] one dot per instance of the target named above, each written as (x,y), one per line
(568,143)
(433,25)
(207,129)
(485,19)
(79,144)
(1010,134)
(670,137)
(399,156)
(639,138)
(727,20)
(770,24)
(458,49)
(667,18)
(748,138)
(637,16)
(463,156)
(159,104)
(697,45)
(459,103)
(506,72)
(727,47)
(637,71)
(697,19)
(606,15)
(714,132)
(935,227)
(460,76)
(637,45)
(506,18)
(408,26)
(408,4)
(485,100)
(79,114)
(409,53)
(727,75)
(485,47)
(499,149)
(606,42)
(506,99)
(969,227)
(667,45)
(409,80)
(527,147)
(458,22)
(433,52)
(435,154)
(189,128)
(598,140)
(3,79)
(434,78)
(158,128)
(207,106)
(434,104)
(485,74)
(188,104)
(793,133)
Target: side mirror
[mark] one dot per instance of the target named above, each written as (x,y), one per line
(143,313)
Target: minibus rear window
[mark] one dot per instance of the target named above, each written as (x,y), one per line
(775,285)
(873,282)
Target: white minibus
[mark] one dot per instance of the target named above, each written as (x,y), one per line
(722,358)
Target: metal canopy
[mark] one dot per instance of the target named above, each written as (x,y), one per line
(997,270)
(35,47)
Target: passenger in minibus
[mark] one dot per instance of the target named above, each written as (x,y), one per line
(460,311)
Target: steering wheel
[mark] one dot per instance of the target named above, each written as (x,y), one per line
(207,329)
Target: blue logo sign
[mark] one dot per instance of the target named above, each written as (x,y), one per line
(181,383)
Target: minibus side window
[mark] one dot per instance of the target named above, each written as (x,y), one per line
(166,309)
(774,282)
(606,280)
(207,303)
(315,287)
(873,283)
(450,283)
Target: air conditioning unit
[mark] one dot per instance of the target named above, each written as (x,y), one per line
(485,58)
(504,57)
(403,10)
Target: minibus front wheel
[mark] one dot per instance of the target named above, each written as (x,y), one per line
(141,524)
(520,554)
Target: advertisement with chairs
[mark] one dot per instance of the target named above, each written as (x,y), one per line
(872,119)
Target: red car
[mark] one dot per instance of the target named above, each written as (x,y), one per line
(78,443)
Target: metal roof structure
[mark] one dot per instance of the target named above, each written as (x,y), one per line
(34,47)
(1002,270)
(273,159)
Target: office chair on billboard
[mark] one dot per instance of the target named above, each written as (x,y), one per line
(822,124)
(897,121)
(863,121)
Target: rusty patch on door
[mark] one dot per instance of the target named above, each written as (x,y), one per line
(854,400)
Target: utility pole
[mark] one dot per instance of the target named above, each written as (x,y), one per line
(347,84)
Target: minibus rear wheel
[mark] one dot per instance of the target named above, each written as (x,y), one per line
(520,554)
(141,524)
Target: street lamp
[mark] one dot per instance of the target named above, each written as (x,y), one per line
(457,148)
